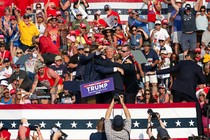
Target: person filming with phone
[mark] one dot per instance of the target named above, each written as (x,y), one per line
(162,133)
(118,129)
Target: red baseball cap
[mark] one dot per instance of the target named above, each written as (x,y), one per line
(198,50)
(164,22)
(82,25)
(72,32)
(28,7)
(58,13)
(12,17)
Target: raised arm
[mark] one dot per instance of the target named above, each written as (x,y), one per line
(65,5)
(158,5)
(126,111)
(160,121)
(198,5)
(174,5)
(109,110)
(149,127)
(145,1)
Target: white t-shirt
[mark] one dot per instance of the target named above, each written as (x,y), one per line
(5,73)
(201,22)
(158,34)
(165,66)
(30,65)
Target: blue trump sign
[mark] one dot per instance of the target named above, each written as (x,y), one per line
(97,87)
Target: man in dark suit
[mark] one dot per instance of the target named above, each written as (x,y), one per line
(107,68)
(189,75)
(130,79)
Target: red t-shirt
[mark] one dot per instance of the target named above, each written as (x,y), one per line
(47,46)
(152,12)
(3,5)
(54,35)
(6,54)
(113,13)
(22,4)
(51,11)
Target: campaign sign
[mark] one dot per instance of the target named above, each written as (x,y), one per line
(97,87)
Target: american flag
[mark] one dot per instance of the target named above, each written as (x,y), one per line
(122,6)
(79,121)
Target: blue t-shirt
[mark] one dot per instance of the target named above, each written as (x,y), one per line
(140,24)
(177,21)
(135,41)
(6,103)
(61,71)
(151,58)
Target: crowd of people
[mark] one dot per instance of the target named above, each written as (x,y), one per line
(42,48)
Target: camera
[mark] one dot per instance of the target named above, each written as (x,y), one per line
(116,98)
(34,127)
(151,113)
(56,129)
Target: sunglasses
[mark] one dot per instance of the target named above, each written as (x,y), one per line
(161,88)
(202,11)
(87,51)
(59,60)
(201,95)
(28,9)
(133,30)
(161,40)
(123,51)
(19,52)
(138,31)
(79,15)
(101,28)
(38,7)
(26,17)
(80,49)
(157,24)
(198,53)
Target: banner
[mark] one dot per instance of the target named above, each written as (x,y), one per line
(97,87)
(79,121)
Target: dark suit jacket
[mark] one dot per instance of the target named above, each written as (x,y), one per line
(105,67)
(130,79)
(90,74)
(189,75)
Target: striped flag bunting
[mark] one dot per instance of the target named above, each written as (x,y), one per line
(79,121)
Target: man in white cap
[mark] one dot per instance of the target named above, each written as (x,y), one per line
(157,32)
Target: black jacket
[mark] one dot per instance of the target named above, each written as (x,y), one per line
(189,75)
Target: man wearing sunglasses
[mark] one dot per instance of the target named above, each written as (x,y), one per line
(130,79)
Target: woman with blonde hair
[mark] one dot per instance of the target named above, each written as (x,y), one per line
(16,53)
